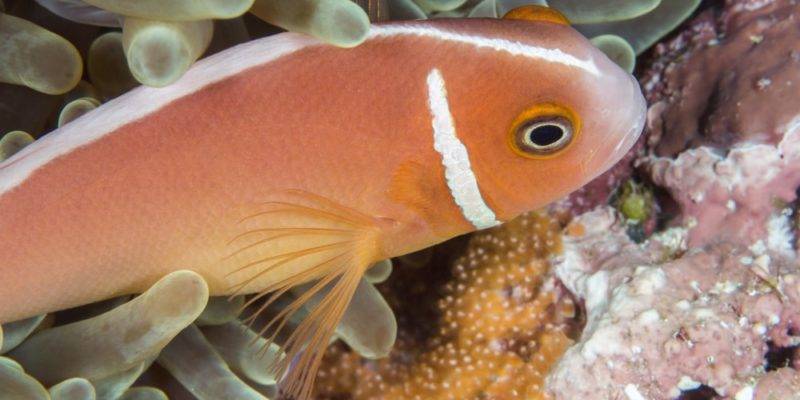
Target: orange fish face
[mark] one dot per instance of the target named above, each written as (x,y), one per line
(544,119)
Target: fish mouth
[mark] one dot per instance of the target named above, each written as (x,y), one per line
(637,116)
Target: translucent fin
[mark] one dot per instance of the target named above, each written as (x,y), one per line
(537,13)
(297,239)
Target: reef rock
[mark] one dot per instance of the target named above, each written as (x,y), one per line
(663,320)
(708,307)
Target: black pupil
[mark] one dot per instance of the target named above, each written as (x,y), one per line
(545,135)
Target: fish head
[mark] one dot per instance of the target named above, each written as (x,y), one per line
(540,109)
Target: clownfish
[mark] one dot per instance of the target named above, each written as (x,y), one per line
(285,161)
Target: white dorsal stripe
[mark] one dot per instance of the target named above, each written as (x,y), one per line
(457,169)
(143,101)
(503,45)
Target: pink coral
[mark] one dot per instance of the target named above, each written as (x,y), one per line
(710,306)
(663,319)
(733,197)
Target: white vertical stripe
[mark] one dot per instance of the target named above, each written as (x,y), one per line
(457,169)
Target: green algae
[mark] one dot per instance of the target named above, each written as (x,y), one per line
(634,201)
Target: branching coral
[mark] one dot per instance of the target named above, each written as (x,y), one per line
(503,323)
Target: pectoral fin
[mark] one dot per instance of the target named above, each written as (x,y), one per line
(298,239)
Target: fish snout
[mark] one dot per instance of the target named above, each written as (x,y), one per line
(632,117)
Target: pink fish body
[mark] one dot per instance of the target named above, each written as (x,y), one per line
(284,160)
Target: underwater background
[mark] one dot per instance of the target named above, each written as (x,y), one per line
(672,276)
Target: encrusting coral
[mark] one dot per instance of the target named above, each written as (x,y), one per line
(503,322)
(708,306)
(664,319)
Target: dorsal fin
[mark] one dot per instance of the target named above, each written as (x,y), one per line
(537,14)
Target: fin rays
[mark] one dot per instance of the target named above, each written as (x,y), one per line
(306,239)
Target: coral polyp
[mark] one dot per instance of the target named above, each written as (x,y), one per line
(503,321)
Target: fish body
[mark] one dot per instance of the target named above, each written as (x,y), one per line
(283,161)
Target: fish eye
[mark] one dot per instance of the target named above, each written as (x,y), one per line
(544,135)
(543,130)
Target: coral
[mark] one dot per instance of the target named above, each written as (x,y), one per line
(377,10)
(235,343)
(183,10)
(635,202)
(81,12)
(13,142)
(143,393)
(603,11)
(112,350)
(663,319)
(18,385)
(739,197)
(502,323)
(705,89)
(709,306)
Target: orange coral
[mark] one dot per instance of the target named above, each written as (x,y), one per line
(502,325)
